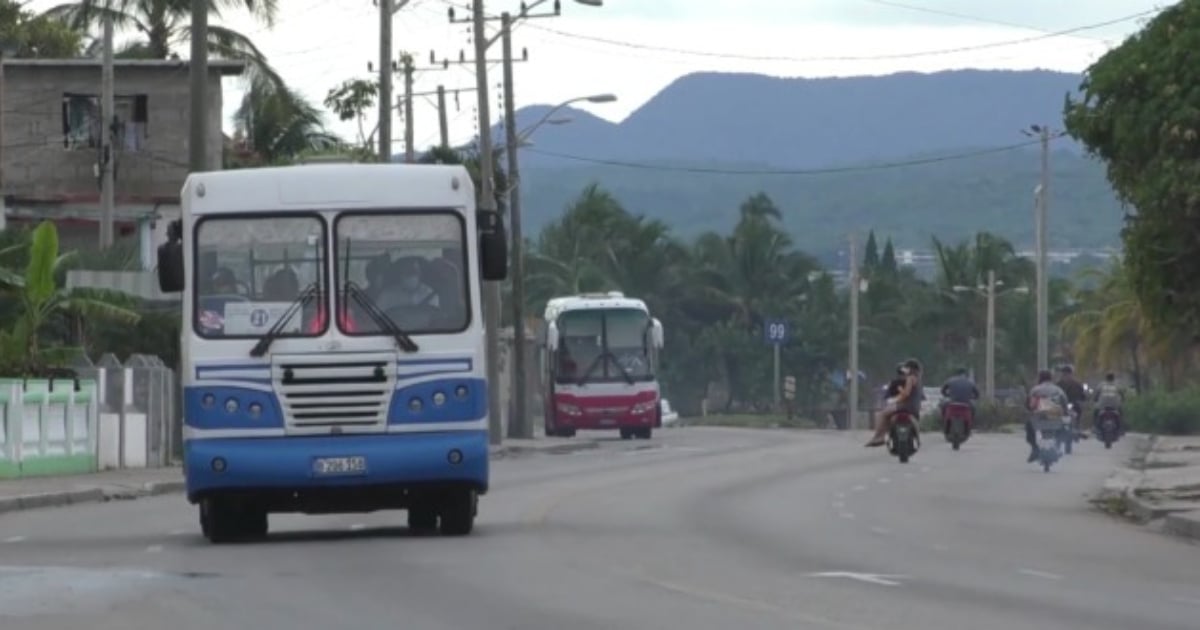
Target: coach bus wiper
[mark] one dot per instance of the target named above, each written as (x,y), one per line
(269,337)
(380,318)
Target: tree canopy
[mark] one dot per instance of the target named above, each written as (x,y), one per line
(26,34)
(1140,114)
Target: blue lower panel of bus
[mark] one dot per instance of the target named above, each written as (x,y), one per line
(346,460)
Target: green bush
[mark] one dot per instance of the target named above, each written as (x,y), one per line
(1165,413)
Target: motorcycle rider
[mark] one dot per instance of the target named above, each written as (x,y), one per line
(1109,395)
(908,400)
(1046,400)
(959,389)
(1076,394)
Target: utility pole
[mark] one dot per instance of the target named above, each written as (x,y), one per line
(443,121)
(487,203)
(989,383)
(385,80)
(409,150)
(519,426)
(1043,297)
(852,396)
(108,121)
(198,67)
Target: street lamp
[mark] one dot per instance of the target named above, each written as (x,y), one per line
(522,428)
(989,290)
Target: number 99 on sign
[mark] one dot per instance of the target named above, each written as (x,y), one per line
(775,331)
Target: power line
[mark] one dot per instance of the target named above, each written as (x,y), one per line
(881,57)
(795,172)
(962,16)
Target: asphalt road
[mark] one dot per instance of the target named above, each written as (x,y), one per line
(698,529)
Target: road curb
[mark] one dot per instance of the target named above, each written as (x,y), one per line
(50,499)
(1184,524)
(552,448)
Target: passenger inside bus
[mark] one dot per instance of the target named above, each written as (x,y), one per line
(404,287)
(282,286)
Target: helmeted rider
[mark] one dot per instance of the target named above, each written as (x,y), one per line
(959,389)
(1076,394)
(908,399)
(1046,400)
(1109,395)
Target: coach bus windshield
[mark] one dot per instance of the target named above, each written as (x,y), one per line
(604,345)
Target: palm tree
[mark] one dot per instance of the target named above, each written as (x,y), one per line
(276,123)
(41,298)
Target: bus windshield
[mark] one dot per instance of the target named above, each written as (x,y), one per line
(248,272)
(409,267)
(604,345)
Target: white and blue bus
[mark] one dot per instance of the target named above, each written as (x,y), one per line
(287,409)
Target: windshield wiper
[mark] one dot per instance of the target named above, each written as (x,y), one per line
(380,318)
(596,362)
(269,337)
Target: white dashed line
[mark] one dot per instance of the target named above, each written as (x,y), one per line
(882,531)
(839,504)
(1040,574)
(859,488)
(358,527)
(847,515)
(925,469)
(884,480)
(1186,600)
(178,532)
(154,548)
(941,548)
(14,539)
(908,475)
(839,495)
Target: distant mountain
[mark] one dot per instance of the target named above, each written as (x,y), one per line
(753,122)
(806,123)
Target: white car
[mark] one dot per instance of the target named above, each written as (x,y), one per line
(669,416)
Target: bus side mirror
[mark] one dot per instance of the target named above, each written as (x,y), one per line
(552,337)
(493,245)
(170,259)
(656,333)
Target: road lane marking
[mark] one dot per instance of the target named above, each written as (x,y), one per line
(14,539)
(737,601)
(858,488)
(881,579)
(941,548)
(847,515)
(882,531)
(839,504)
(358,527)
(908,475)
(925,469)
(179,532)
(839,495)
(1040,574)
(1186,600)
(154,548)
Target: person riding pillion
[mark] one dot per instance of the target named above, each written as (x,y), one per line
(908,400)
(1047,401)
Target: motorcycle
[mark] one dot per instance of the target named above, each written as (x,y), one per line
(1106,426)
(956,422)
(902,437)
(1052,434)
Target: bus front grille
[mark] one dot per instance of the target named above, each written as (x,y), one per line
(322,395)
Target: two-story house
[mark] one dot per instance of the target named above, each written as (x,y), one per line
(50,143)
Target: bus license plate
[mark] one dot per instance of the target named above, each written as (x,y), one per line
(340,465)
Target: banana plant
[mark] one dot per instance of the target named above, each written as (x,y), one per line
(41,299)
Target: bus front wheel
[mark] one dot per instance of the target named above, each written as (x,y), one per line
(223,521)
(458,511)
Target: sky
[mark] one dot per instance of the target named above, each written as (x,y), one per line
(634,48)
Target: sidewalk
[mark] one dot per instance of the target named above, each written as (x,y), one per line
(1161,482)
(39,492)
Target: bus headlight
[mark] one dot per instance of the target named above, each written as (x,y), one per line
(570,410)
(415,405)
(461,391)
(255,410)
(439,399)
(644,407)
(231,405)
(207,401)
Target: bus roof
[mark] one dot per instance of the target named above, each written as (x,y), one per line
(328,187)
(612,300)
